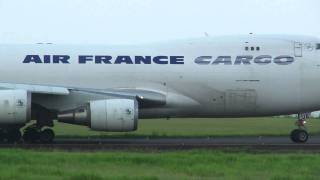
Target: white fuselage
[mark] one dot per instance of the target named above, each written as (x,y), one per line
(207,88)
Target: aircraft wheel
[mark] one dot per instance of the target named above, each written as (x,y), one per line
(47,136)
(2,136)
(31,135)
(13,136)
(293,135)
(299,136)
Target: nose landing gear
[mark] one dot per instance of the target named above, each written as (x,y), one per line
(301,134)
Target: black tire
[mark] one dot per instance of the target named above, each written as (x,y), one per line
(302,136)
(2,136)
(13,136)
(47,136)
(31,135)
(299,136)
(293,135)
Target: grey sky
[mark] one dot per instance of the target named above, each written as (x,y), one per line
(136,21)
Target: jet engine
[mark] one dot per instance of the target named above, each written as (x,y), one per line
(15,107)
(114,115)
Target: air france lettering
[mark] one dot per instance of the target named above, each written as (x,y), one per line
(201,60)
(47,59)
(86,59)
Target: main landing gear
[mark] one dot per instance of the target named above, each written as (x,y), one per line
(34,134)
(12,135)
(39,131)
(301,134)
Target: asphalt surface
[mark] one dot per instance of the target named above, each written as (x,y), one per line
(224,143)
(314,140)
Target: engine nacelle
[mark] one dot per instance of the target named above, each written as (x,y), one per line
(114,115)
(15,107)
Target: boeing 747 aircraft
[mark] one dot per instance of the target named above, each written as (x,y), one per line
(108,88)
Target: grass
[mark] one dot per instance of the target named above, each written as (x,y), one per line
(155,128)
(196,164)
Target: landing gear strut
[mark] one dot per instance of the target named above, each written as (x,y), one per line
(301,134)
(34,134)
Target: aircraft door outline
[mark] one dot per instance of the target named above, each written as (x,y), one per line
(298,46)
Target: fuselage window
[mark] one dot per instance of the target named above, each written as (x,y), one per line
(318,46)
(253,48)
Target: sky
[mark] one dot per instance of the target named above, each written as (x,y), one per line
(140,21)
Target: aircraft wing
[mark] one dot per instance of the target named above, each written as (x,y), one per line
(39,89)
(146,98)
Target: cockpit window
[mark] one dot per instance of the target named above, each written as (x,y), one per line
(318,46)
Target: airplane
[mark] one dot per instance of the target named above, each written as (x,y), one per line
(108,88)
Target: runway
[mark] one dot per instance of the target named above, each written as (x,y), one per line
(227,143)
(199,141)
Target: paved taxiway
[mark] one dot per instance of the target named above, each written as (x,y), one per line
(199,141)
(230,143)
